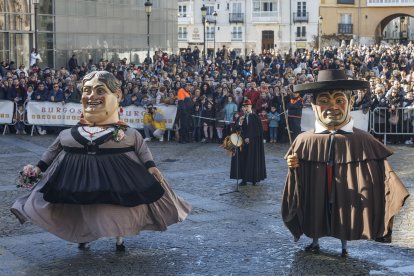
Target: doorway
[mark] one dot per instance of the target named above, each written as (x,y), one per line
(268,40)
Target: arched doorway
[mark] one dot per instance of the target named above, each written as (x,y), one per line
(396,28)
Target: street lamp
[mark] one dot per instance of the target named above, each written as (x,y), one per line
(214,44)
(148,10)
(402,37)
(36,5)
(320,32)
(203,16)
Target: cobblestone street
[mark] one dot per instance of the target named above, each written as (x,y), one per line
(238,233)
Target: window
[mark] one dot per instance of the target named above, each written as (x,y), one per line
(236,7)
(301,31)
(345,25)
(265,5)
(236,33)
(210,10)
(210,32)
(346,2)
(345,18)
(301,10)
(182,33)
(182,11)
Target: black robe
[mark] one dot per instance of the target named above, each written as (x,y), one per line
(251,159)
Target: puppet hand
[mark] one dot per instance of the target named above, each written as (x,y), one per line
(246,140)
(292,161)
(156,173)
(37,170)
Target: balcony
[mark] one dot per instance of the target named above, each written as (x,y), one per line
(301,37)
(344,28)
(300,17)
(211,19)
(265,17)
(236,17)
(389,3)
(185,18)
(236,36)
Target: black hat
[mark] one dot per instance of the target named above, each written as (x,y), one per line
(331,80)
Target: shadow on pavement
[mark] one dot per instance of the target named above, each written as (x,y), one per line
(330,263)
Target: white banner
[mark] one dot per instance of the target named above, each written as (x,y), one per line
(308,119)
(58,114)
(53,114)
(6,112)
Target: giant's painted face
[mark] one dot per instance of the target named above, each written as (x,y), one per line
(98,102)
(332,109)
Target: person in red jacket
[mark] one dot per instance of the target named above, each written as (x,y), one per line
(252,93)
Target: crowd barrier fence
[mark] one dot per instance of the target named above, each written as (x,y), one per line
(383,122)
(376,121)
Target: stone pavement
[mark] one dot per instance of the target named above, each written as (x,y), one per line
(237,233)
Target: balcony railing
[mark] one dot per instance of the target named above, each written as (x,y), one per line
(300,37)
(389,3)
(236,17)
(236,36)
(265,17)
(185,18)
(211,19)
(300,17)
(345,28)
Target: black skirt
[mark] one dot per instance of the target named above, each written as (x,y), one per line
(101,178)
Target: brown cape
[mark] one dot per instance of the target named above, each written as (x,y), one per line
(366,193)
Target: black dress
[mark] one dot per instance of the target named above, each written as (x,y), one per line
(92,175)
(251,158)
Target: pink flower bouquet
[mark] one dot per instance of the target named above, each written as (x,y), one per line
(27,177)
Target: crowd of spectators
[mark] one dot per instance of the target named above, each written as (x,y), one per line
(217,85)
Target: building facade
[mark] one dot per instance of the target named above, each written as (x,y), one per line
(367,21)
(109,29)
(246,25)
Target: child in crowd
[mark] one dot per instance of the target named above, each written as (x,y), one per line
(274,118)
(219,122)
(265,124)
(208,122)
(197,123)
(18,120)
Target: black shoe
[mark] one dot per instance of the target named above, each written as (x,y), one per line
(82,245)
(344,253)
(254,183)
(120,247)
(312,248)
(243,183)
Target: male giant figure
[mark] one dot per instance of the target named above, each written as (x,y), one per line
(345,187)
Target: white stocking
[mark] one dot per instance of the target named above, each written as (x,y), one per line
(119,240)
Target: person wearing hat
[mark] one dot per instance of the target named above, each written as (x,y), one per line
(249,165)
(339,182)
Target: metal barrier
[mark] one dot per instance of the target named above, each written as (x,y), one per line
(6,126)
(383,122)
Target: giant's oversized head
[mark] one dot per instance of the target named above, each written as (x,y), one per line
(332,97)
(101,94)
